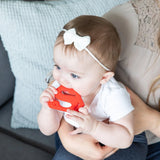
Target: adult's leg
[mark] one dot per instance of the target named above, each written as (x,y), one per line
(57,141)
(154,151)
(62,153)
(137,151)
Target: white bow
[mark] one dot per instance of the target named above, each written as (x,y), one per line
(80,43)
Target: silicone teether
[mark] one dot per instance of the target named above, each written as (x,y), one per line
(66,98)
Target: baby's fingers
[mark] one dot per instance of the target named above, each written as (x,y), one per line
(48,95)
(51,91)
(75,113)
(76,131)
(44,99)
(83,110)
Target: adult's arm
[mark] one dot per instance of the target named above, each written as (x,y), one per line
(82,145)
(145,117)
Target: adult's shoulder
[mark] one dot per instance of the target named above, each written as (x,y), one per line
(138,65)
(125,20)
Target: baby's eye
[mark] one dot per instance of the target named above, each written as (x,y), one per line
(57,67)
(75,76)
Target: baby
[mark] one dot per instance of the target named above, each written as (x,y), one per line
(85,55)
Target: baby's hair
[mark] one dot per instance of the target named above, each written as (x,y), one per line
(155,85)
(105,42)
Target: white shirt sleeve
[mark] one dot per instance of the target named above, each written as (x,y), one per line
(117,104)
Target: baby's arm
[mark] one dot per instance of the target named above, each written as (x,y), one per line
(118,134)
(48,119)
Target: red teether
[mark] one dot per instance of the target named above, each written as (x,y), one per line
(66,98)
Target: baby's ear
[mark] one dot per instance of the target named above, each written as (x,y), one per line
(106,77)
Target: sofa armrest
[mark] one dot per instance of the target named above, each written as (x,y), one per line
(7,80)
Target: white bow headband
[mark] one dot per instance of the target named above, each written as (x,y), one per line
(80,43)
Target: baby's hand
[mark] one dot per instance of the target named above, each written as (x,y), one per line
(87,123)
(48,95)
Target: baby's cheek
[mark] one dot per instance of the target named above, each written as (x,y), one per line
(55,76)
(82,88)
(83,92)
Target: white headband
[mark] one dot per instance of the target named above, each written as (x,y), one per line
(80,43)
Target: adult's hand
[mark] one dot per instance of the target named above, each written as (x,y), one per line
(145,117)
(83,145)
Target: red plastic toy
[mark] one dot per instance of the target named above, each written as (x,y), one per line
(73,99)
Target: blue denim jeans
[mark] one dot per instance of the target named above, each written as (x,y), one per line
(137,151)
(153,151)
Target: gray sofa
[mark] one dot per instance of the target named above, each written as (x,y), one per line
(18,144)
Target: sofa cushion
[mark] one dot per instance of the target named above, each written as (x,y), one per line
(11,148)
(6,77)
(30,136)
(28,31)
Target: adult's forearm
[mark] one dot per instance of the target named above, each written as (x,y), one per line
(145,117)
(82,145)
(74,144)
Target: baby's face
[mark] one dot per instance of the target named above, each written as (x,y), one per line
(78,71)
